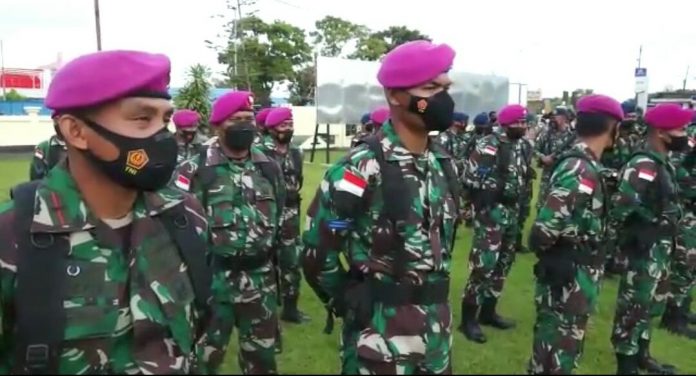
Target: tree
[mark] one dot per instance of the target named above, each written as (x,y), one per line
(14,96)
(332,34)
(259,55)
(195,95)
(303,86)
(375,45)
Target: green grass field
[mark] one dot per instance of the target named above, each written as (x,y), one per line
(308,350)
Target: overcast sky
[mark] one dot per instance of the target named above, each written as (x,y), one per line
(551,45)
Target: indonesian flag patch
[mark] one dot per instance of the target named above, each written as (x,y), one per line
(587,186)
(182,182)
(647,175)
(38,153)
(352,184)
(490,150)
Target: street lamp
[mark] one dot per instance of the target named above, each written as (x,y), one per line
(98,24)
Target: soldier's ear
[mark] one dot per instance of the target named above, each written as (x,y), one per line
(394,96)
(72,130)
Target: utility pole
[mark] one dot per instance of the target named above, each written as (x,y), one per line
(640,55)
(519,90)
(246,66)
(686,78)
(2,69)
(97,21)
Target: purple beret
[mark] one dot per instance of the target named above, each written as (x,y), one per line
(601,104)
(102,77)
(262,116)
(186,119)
(414,63)
(380,115)
(278,116)
(668,116)
(512,114)
(229,104)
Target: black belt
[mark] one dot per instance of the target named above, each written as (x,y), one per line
(240,263)
(397,294)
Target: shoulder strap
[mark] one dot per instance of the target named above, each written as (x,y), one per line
(206,174)
(193,250)
(41,281)
(453,182)
(296,155)
(272,172)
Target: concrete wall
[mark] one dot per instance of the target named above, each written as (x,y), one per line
(30,129)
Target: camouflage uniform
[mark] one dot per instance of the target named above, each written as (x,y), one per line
(128,302)
(645,206)
(567,237)
(496,175)
(525,149)
(46,155)
(244,212)
(550,142)
(188,150)
(398,338)
(359,136)
(455,143)
(683,267)
(289,253)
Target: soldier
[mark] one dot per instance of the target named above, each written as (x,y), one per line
(103,268)
(454,138)
(262,132)
(567,238)
(482,128)
(392,206)
(367,128)
(525,148)
(244,194)
(493,118)
(494,175)
(46,155)
(186,122)
(549,144)
(278,146)
(646,207)
(683,267)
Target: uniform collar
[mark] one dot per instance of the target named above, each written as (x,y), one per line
(216,156)
(394,150)
(62,209)
(582,147)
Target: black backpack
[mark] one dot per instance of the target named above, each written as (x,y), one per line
(41,279)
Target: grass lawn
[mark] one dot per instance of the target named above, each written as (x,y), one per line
(308,350)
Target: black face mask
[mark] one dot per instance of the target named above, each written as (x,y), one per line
(614,138)
(483,131)
(515,133)
(284,137)
(369,127)
(144,164)
(436,111)
(678,143)
(187,137)
(239,137)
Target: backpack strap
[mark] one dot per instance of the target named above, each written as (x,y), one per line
(272,172)
(455,186)
(193,250)
(41,283)
(205,174)
(296,155)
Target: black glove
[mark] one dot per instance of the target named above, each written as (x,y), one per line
(358,301)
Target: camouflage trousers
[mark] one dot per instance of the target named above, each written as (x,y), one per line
(523,214)
(492,254)
(404,340)
(561,322)
(643,292)
(683,268)
(248,301)
(289,255)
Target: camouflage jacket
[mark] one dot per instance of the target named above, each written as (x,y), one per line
(647,193)
(187,151)
(242,205)
(358,137)
(343,217)
(46,155)
(551,141)
(291,171)
(575,208)
(129,305)
(685,170)
(454,142)
(525,149)
(496,166)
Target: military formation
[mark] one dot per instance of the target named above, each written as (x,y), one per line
(133,249)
